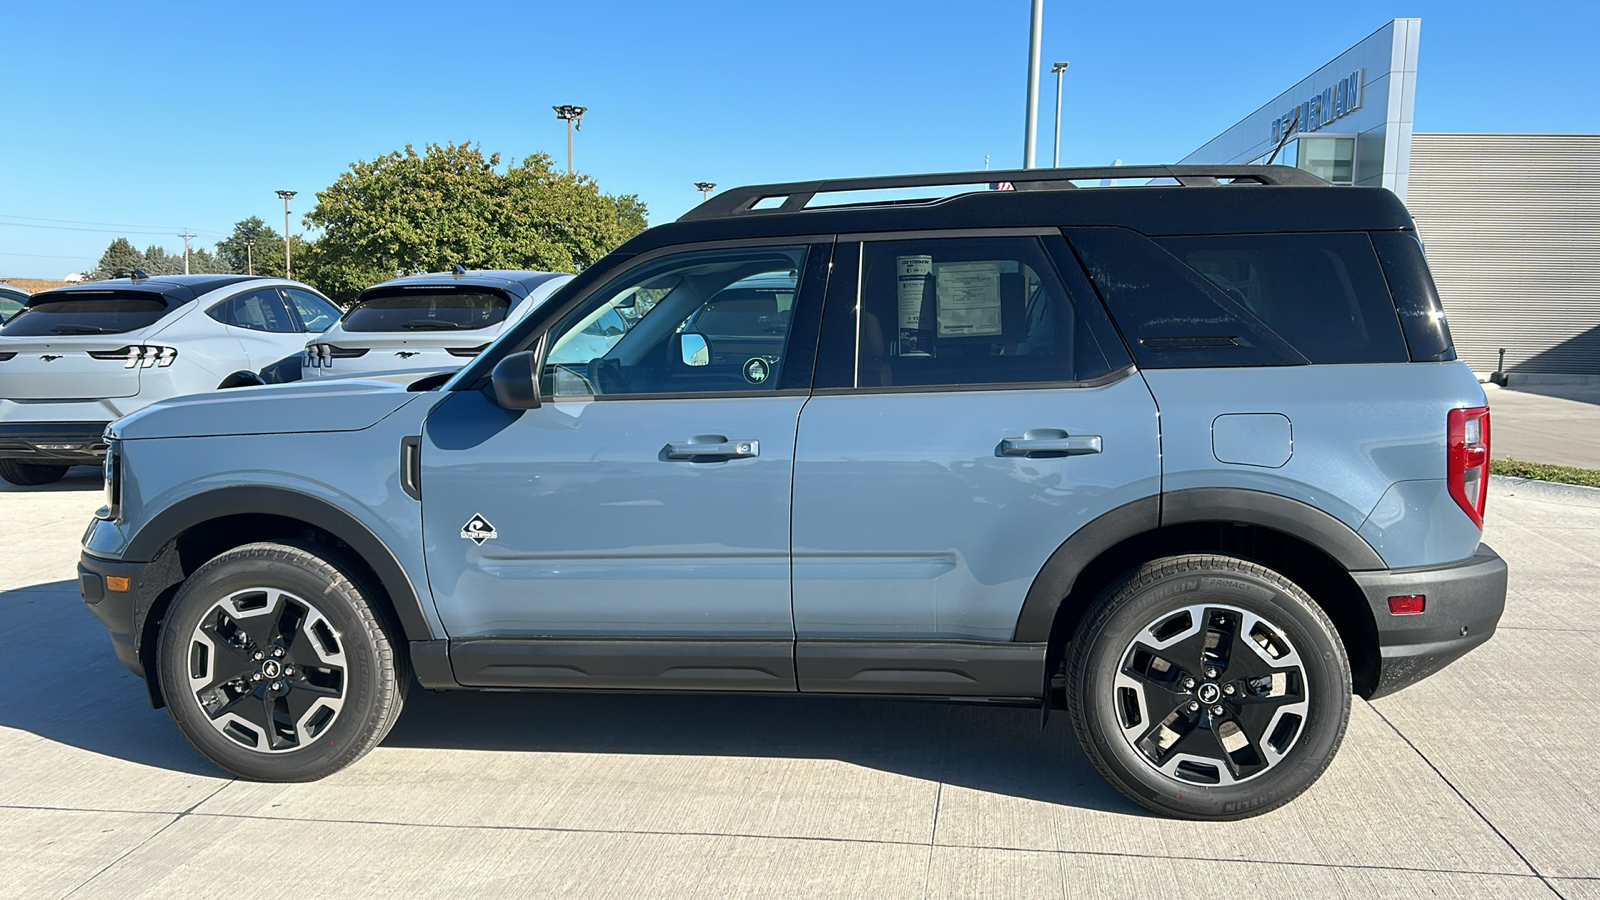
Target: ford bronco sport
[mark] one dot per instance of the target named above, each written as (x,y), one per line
(1193,460)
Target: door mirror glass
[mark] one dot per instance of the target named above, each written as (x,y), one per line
(696,352)
(516,381)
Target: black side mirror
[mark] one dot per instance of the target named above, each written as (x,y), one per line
(516,381)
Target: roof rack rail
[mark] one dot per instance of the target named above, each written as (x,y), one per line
(797,196)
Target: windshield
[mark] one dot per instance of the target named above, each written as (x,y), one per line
(87,312)
(427,309)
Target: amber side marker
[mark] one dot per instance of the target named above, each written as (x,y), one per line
(117,583)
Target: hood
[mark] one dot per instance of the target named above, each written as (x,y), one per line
(345,404)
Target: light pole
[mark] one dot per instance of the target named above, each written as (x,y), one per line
(287,196)
(573,116)
(249,256)
(1058,68)
(705,188)
(1036,31)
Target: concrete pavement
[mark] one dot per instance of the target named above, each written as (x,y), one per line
(1476,783)
(1557,424)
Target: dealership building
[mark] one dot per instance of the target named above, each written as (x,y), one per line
(1511,222)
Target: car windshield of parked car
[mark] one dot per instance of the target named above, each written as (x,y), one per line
(87,312)
(427,309)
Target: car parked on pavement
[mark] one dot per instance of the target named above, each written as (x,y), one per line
(12,299)
(77,357)
(1192,460)
(427,321)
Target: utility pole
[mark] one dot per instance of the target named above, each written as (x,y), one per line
(1058,68)
(249,256)
(186,236)
(705,188)
(1036,33)
(287,196)
(573,116)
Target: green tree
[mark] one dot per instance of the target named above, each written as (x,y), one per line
(451,204)
(264,258)
(120,258)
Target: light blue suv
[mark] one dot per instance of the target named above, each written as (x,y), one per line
(1193,461)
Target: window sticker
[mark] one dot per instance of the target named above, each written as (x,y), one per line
(912,278)
(969,299)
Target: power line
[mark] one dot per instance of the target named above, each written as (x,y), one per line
(45,255)
(82,222)
(121,231)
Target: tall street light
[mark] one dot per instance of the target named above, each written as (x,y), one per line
(287,196)
(249,256)
(705,188)
(1058,68)
(573,116)
(1036,31)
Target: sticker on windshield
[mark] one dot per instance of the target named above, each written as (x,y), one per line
(478,530)
(756,370)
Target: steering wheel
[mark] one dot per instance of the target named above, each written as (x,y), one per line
(605,376)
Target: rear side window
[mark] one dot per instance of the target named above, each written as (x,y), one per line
(88,312)
(427,309)
(1415,296)
(1323,293)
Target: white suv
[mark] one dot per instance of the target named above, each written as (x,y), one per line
(439,320)
(79,357)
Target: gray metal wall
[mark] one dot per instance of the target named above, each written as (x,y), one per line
(1511,223)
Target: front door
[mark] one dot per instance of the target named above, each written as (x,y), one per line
(634,530)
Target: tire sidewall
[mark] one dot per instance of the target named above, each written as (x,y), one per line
(273,566)
(1198,582)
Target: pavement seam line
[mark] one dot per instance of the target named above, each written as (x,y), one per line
(1464,799)
(938,800)
(884,842)
(136,847)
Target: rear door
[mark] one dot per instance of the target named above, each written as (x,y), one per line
(267,331)
(972,410)
(74,345)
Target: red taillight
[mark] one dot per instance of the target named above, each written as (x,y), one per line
(1468,454)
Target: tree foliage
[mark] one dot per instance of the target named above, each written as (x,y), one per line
(451,204)
(119,259)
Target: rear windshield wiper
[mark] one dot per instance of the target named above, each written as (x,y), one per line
(433,325)
(71,328)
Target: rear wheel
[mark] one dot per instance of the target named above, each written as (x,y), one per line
(1208,687)
(26,474)
(275,667)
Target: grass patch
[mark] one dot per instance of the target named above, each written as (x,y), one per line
(1543,472)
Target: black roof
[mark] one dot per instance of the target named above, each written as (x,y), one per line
(1196,200)
(175,288)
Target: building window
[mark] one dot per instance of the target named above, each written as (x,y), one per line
(1330,158)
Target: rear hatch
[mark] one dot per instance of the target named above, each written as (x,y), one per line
(413,326)
(76,344)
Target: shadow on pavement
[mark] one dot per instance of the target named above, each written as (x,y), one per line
(60,681)
(78,478)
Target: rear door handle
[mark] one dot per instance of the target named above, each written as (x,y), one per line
(710,448)
(1045,443)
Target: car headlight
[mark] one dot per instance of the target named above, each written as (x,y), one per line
(113,473)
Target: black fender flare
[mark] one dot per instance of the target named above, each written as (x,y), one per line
(245,500)
(1214,504)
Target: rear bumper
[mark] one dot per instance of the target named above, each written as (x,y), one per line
(1463,606)
(60,443)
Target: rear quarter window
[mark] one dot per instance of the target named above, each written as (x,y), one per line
(88,312)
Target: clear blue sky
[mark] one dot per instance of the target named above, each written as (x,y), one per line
(165,116)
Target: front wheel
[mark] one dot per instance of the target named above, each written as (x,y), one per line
(1208,687)
(275,667)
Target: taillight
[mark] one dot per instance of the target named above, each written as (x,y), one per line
(140,355)
(1468,454)
(322,355)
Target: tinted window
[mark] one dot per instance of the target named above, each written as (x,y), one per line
(1171,315)
(1415,296)
(694,322)
(87,312)
(10,304)
(1323,293)
(258,311)
(427,309)
(967,311)
(316,314)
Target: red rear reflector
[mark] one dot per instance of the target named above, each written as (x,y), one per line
(1409,605)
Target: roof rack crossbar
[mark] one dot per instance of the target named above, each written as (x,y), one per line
(796,196)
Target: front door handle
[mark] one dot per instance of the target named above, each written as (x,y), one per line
(710,448)
(1047,443)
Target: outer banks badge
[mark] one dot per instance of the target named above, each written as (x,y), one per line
(757,370)
(478,530)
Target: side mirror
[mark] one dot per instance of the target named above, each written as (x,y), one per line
(516,381)
(694,350)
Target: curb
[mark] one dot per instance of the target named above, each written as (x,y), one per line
(1532,489)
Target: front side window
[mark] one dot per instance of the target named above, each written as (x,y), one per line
(316,314)
(967,311)
(427,308)
(261,310)
(87,312)
(709,321)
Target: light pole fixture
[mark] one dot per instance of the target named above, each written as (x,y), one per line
(249,256)
(573,116)
(705,188)
(1058,68)
(287,196)
(1031,126)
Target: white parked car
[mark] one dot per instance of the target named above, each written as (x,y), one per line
(77,358)
(439,320)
